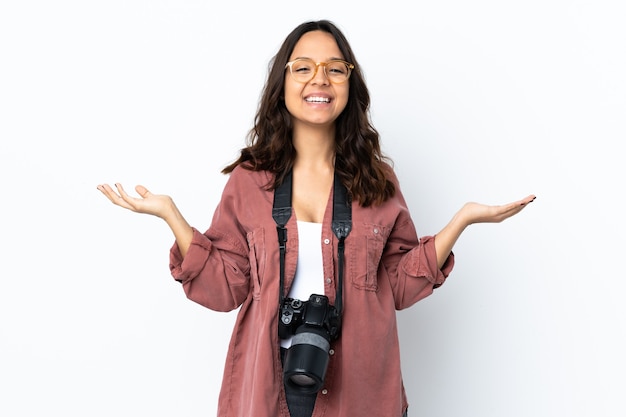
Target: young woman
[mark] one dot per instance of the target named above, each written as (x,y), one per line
(316,329)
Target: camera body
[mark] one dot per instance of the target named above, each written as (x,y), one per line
(316,312)
(313,324)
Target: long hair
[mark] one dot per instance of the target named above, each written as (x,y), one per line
(359,162)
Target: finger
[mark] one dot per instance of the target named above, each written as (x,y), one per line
(510,210)
(123,199)
(142,191)
(113,196)
(108,192)
(520,204)
(123,194)
(104,188)
(528,200)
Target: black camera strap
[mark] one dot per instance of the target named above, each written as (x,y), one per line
(341,225)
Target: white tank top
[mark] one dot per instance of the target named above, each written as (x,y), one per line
(309,277)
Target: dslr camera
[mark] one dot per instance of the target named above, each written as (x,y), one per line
(313,324)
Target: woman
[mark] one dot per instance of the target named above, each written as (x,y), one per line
(312,126)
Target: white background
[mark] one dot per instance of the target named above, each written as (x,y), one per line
(485,100)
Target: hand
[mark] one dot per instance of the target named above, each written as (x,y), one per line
(148,203)
(482,213)
(472,213)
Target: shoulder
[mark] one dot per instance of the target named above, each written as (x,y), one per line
(243,177)
(245,189)
(396,200)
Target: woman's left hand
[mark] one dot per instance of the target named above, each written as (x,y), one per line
(472,213)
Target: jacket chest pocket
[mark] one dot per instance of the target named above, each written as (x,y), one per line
(366,251)
(256,245)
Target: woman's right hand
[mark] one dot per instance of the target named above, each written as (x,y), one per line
(157,205)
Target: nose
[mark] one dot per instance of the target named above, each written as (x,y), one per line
(320,77)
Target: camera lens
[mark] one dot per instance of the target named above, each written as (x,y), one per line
(302,380)
(307,360)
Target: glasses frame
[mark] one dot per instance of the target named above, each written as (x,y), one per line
(317,65)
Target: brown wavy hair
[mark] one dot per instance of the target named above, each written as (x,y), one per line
(359,162)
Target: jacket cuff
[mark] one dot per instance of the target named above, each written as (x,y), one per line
(422,262)
(184,269)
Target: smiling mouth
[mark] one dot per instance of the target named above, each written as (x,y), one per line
(317,100)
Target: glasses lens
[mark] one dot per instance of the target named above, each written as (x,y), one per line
(337,71)
(303,69)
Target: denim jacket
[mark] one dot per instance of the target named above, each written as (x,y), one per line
(235,264)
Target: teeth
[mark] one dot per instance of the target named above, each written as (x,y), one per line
(318,99)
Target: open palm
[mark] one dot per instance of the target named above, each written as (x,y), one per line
(148,203)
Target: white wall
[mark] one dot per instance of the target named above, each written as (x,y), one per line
(483,100)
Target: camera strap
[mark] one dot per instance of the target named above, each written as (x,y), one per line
(341,225)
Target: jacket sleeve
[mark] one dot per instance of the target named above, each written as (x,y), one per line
(411,262)
(216,269)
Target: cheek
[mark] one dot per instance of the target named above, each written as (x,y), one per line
(292,94)
(342,99)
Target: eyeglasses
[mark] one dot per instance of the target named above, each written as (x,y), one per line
(303,70)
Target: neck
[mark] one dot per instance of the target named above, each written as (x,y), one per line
(315,148)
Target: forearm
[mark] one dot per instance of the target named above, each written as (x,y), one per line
(447,237)
(183,233)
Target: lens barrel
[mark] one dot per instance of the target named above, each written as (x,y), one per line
(307,360)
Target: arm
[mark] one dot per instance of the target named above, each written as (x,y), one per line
(161,206)
(416,267)
(472,213)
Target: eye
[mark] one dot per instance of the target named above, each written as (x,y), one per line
(302,66)
(338,68)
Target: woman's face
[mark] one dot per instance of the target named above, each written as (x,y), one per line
(317,102)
